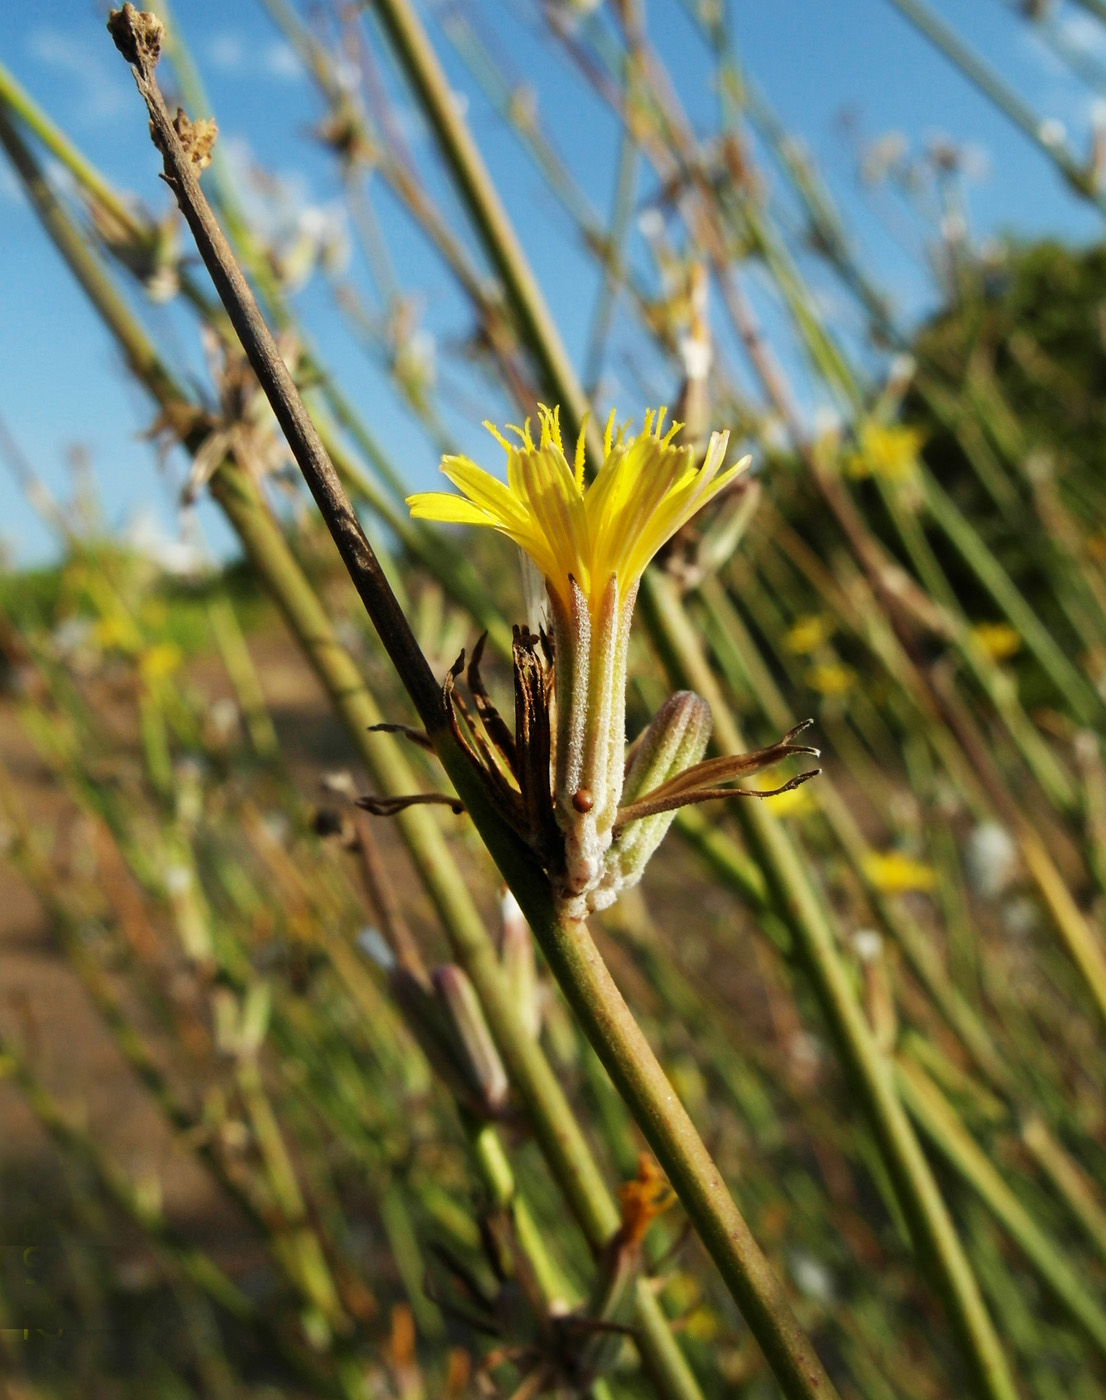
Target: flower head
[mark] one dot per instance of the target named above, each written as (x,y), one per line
(892,872)
(887,450)
(564,779)
(645,490)
(998,639)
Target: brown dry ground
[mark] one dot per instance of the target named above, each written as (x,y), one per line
(44,1004)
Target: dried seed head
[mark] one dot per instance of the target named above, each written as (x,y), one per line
(445,1017)
(197,137)
(137,35)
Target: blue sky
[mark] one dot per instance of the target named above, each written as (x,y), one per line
(60,377)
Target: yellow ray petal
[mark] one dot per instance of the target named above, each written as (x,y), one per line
(481,488)
(450,510)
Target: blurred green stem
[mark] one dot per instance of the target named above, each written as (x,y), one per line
(243,675)
(794,897)
(943,1126)
(986,81)
(192,1263)
(537,326)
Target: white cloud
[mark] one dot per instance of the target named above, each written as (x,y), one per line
(100,91)
(1083,32)
(280,60)
(228,52)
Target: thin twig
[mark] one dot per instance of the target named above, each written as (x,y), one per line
(137,37)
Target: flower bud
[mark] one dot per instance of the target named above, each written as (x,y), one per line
(447,1020)
(516,953)
(675,740)
(478,1059)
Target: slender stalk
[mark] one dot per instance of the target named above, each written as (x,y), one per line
(621,215)
(1097,8)
(438,556)
(243,675)
(1068,1179)
(1084,943)
(267,363)
(487,1147)
(23,106)
(193,1264)
(629,1060)
(539,330)
(613,1031)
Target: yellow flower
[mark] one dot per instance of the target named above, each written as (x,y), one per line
(793,803)
(160,661)
(895,873)
(116,632)
(998,639)
(592,543)
(808,634)
(645,490)
(890,451)
(832,678)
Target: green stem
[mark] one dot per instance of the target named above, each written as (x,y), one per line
(984,78)
(654,1104)
(22,105)
(243,676)
(621,215)
(495,1168)
(1068,1179)
(192,1263)
(629,1059)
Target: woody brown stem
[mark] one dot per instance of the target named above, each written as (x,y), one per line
(138,40)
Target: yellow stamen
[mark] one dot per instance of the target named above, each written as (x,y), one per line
(506,446)
(608,433)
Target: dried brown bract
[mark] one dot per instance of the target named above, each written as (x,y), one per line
(197,137)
